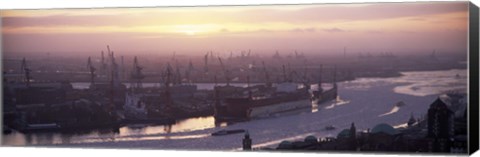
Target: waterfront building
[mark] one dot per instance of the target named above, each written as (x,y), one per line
(440,126)
(247,142)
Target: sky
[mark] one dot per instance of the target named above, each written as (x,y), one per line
(320,29)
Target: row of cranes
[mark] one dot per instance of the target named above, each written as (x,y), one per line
(209,56)
(297,55)
(111,71)
(288,74)
(172,74)
(380,55)
(243,54)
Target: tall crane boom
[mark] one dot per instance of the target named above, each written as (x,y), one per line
(320,79)
(335,76)
(227,77)
(267,77)
(167,87)
(92,71)
(113,67)
(137,74)
(26,71)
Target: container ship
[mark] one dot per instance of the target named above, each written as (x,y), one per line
(285,97)
(263,101)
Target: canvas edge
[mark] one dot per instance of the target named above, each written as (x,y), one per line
(473,110)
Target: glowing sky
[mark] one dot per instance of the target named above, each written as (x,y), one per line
(397,27)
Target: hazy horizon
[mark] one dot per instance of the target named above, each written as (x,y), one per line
(401,28)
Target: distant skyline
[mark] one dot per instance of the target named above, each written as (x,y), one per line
(322,28)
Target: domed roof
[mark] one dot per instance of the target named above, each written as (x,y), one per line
(311,139)
(385,128)
(345,133)
(285,144)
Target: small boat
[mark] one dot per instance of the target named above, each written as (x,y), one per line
(227,132)
(415,88)
(400,104)
(330,127)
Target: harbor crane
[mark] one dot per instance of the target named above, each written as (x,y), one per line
(267,77)
(284,73)
(137,75)
(92,71)
(113,67)
(26,71)
(227,76)
(103,65)
(189,71)
(320,79)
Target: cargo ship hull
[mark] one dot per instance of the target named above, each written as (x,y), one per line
(241,109)
(321,97)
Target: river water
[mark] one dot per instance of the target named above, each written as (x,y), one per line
(364,101)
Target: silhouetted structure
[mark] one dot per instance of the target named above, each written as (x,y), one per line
(137,75)
(92,70)
(411,121)
(247,142)
(440,126)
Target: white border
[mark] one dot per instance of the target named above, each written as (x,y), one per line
(36,4)
(47,4)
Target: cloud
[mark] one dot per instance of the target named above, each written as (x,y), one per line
(303,30)
(224,30)
(417,19)
(64,20)
(374,32)
(333,30)
(249,14)
(408,32)
(264,30)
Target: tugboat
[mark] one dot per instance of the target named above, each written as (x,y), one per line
(400,104)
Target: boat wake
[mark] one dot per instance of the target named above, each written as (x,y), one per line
(431,83)
(403,125)
(395,109)
(418,83)
(337,102)
(139,138)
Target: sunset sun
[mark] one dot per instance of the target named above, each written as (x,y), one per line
(190,32)
(195,29)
